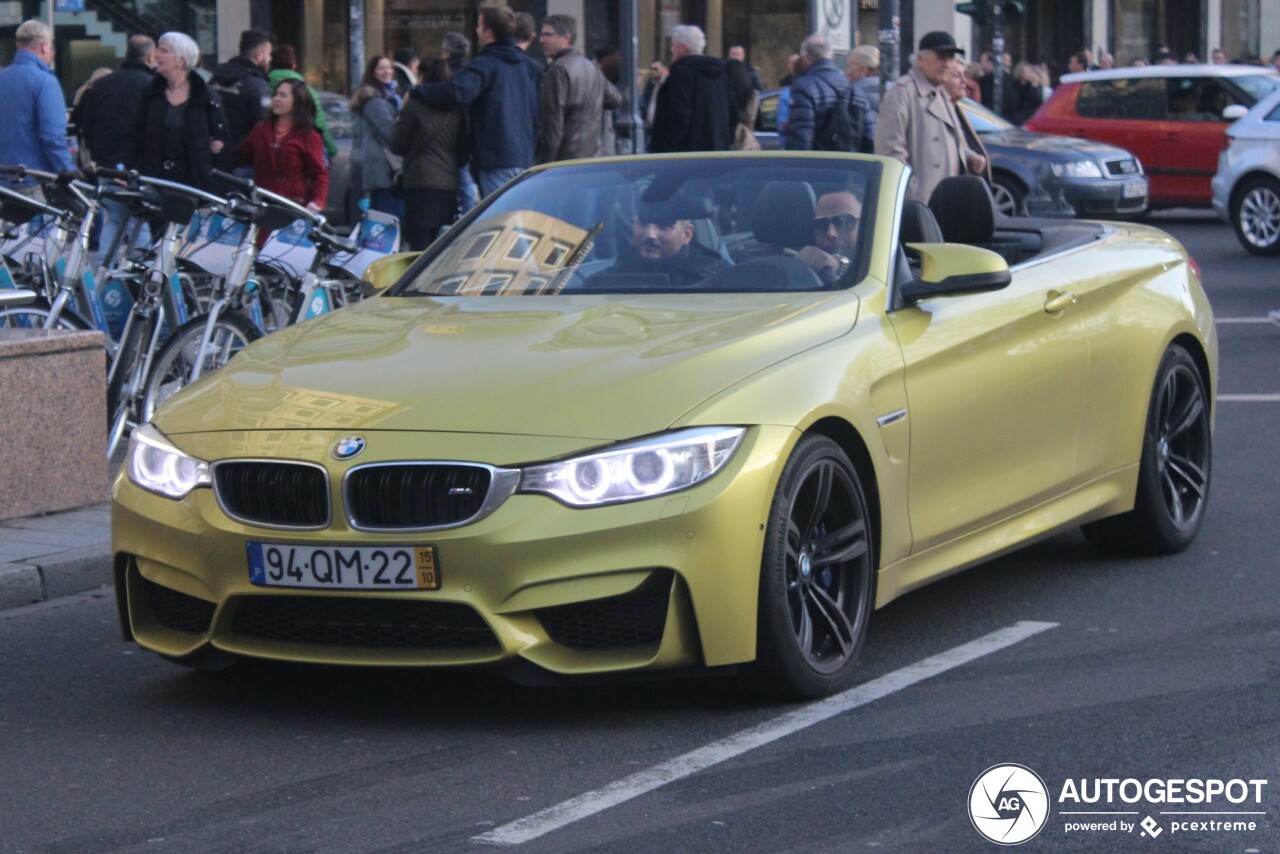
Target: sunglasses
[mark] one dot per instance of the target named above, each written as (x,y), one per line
(840,221)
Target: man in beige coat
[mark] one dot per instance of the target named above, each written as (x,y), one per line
(918,123)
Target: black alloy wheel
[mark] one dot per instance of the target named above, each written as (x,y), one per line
(1174,472)
(817,577)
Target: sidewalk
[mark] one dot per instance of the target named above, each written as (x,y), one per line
(43,557)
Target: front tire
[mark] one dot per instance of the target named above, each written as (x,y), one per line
(1255,215)
(817,576)
(1173,475)
(35,314)
(1008,194)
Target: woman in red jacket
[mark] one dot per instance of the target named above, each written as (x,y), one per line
(285,151)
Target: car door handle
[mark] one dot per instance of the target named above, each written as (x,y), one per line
(1059,301)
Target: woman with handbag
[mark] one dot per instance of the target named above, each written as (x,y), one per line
(430,139)
(373,108)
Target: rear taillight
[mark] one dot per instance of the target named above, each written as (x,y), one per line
(1226,141)
(1194,265)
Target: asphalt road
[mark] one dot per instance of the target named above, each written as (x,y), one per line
(1084,669)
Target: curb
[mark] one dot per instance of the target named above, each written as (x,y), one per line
(62,574)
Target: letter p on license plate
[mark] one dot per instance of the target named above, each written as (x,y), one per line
(343,567)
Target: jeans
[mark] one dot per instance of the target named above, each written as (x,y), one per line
(492,179)
(467,193)
(114,216)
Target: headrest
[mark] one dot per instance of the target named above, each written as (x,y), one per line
(964,209)
(919,225)
(783,214)
(677,207)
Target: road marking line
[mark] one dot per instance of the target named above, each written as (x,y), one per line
(1221,320)
(1250,398)
(588,804)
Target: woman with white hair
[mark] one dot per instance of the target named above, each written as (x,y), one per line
(180,124)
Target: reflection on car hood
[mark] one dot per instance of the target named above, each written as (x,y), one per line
(587,367)
(1052,143)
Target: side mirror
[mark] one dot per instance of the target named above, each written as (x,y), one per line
(385,272)
(1234,111)
(951,269)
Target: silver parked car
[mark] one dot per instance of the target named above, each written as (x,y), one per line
(1246,189)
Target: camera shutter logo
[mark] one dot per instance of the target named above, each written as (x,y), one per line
(1009,804)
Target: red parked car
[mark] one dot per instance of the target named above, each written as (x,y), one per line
(1170,116)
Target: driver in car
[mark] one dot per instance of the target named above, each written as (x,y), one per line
(662,244)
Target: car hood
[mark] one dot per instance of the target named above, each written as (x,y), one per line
(599,368)
(1052,143)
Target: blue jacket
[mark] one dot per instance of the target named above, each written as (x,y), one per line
(813,94)
(34,130)
(499,88)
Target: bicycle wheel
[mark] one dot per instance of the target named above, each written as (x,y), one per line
(173,365)
(35,314)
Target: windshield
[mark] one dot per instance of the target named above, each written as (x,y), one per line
(698,225)
(982,119)
(1257,86)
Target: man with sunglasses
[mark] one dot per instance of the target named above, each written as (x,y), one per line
(835,235)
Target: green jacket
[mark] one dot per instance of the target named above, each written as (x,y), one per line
(322,121)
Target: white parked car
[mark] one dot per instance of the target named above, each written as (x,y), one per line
(1246,189)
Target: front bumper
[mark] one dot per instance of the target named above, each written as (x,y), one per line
(1099,198)
(665,582)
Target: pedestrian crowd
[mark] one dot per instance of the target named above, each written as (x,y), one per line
(433,135)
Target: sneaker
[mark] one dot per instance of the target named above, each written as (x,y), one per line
(1274,316)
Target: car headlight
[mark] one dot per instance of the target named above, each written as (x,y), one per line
(1077,169)
(159,467)
(642,469)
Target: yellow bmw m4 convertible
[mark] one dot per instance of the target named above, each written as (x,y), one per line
(688,411)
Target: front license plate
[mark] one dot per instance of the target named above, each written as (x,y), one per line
(1134,189)
(343,567)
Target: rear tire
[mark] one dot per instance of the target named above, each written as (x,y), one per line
(173,364)
(1174,472)
(1255,215)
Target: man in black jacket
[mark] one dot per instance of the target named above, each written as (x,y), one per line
(694,111)
(110,112)
(242,84)
(500,92)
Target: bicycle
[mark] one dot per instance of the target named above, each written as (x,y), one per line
(234,320)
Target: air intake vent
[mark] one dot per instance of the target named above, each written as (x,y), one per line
(362,623)
(173,610)
(415,495)
(619,622)
(282,495)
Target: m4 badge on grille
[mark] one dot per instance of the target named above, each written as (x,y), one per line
(348,447)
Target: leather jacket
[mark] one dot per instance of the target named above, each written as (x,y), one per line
(572,99)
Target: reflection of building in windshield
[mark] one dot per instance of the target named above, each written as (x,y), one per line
(513,253)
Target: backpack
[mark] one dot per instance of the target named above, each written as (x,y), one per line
(845,128)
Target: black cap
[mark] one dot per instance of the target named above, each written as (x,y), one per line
(939,42)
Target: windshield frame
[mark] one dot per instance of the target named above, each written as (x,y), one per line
(856,272)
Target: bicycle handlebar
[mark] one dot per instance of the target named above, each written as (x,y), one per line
(160,183)
(236,181)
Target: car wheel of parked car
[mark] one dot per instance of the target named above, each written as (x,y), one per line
(1255,213)
(1173,475)
(818,574)
(1009,195)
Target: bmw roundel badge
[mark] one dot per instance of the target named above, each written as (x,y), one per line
(348,447)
